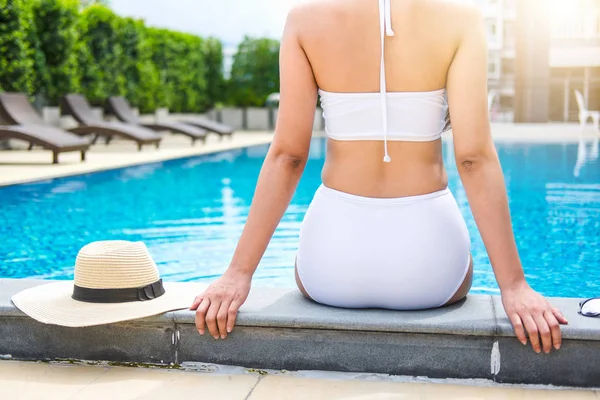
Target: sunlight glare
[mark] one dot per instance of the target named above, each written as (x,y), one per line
(563,9)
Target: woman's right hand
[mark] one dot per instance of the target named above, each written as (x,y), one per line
(218,306)
(529,310)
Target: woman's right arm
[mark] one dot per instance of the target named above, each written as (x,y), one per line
(482,177)
(218,306)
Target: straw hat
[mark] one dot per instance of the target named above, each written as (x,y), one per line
(114,281)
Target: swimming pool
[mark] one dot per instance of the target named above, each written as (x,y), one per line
(190,213)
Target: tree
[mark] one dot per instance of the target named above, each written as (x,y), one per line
(255,72)
(16,64)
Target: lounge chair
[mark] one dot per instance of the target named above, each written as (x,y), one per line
(492,96)
(120,107)
(211,126)
(585,114)
(78,107)
(26,124)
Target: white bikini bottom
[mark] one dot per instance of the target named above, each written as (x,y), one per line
(406,253)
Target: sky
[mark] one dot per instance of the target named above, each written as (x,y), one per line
(228,20)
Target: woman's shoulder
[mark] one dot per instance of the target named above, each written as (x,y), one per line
(315,18)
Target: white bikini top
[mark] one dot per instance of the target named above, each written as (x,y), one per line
(398,116)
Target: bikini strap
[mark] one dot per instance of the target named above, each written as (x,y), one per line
(385,22)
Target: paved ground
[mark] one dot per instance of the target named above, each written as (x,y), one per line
(549,133)
(17,166)
(30,381)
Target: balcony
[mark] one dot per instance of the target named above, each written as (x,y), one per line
(584,31)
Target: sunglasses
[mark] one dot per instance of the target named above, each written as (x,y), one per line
(590,307)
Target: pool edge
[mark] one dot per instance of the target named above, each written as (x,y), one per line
(279,329)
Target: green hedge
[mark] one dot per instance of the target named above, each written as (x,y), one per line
(142,81)
(179,60)
(16,56)
(52,47)
(215,83)
(56,64)
(49,48)
(101,56)
(255,72)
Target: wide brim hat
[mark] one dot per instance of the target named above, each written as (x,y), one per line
(115,281)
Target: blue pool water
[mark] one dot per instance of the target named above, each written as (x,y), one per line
(190,214)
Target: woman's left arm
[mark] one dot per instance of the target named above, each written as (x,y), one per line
(217,307)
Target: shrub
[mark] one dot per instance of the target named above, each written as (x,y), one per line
(99,54)
(54,41)
(54,47)
(142,83)
(215,84)
(255,72)
(16,63)
(179,60)
(190,77)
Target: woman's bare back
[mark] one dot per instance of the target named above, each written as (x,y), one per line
(333,44)
(341,40)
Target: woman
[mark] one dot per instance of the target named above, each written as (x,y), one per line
(383,230)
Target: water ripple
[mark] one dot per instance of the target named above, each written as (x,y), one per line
(191,213)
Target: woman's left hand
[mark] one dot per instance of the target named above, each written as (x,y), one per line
(528,310)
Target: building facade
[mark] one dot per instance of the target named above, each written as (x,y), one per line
(525,37)
(500,17)
(574,58)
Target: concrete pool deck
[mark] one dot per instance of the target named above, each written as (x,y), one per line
(21,380)
(279,329)
(20,166)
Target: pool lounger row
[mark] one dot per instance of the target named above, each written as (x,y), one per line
(23,122)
